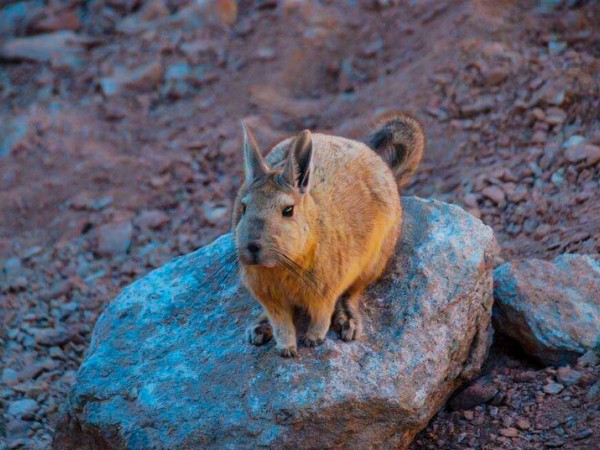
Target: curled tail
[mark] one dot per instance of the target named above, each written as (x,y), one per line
(400,140)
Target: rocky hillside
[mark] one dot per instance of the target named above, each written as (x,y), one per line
(120,149)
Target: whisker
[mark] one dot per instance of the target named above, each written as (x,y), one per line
(308,278)
(228,264)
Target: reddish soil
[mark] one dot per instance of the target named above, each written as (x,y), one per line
(123,151)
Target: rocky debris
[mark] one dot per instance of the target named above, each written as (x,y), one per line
(550,203)
(44,47)
(480,105)
(13,131)
(50,336)
(141,78)
(176,313)
(481,391)
(553,388)
(568,376)
(57,21)
(588,359)
(113,239)
(495,194)
(22,409)
(583,152)
(152,219)
(551,308)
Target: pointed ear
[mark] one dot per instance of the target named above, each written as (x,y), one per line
(254,164)
(299,165)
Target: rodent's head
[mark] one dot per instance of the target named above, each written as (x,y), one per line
(273,210)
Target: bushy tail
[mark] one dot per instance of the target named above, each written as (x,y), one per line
(400,140)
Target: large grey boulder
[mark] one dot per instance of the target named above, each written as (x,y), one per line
(168,365)
(552,308)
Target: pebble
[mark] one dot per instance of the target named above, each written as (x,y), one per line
(9,377)
(13,267)
(495,194)
(481,391)
(480,105)
(588,152)
(152,219)
(22,409)
(553,388)
(588,359)
(573,141)
(114,238)
(50,336)
(583,434)
(555,116)
(567,376)
(509,432)
(523,424)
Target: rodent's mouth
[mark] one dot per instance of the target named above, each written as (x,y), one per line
(251,261)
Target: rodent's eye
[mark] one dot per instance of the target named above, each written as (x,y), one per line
(243,208)
(288,211)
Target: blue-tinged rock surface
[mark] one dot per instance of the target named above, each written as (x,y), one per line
(552,308)
(169,367)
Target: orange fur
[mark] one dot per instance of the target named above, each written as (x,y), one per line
(347,220)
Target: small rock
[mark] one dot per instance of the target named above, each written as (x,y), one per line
(524,377)
(9,377)
(593,392)
(214,212)
(481,391)
(588,359)
(495,76)
(13,267)
(114,238)
(539,137)
(42,47)
(588,152)
(523,424)
(22,409)
(555,116)
(583,434)
(50,336)
(152,219)
(64,20)
(266,54)
(480,105)
(573,141)
(349,76)
(567,376)
(551,308)
(142,77)
(495,194)
(553,388)
(509,432)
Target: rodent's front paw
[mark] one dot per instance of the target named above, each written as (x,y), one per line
(312,341)
(290,351)
(260,333)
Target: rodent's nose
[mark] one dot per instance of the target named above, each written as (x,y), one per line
(254,248)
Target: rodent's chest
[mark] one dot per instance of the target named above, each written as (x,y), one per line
(277,287)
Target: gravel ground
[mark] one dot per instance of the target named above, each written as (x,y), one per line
(121,150)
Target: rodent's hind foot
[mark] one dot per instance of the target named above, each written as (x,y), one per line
(259,333)
(349,327)
(312,341)
(289,351)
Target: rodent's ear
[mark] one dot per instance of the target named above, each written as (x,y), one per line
(254,164)
(299,164)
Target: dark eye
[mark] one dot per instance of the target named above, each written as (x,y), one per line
(288,211)
(243,208)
